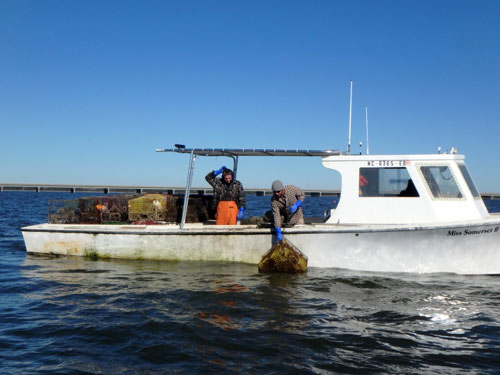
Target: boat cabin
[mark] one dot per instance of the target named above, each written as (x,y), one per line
(404,189)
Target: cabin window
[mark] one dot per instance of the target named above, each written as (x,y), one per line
(386,182)
(441,182)
(468,179)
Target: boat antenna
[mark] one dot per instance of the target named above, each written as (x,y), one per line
(367,143)
(350,119)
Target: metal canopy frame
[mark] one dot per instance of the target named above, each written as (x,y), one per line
(234,153)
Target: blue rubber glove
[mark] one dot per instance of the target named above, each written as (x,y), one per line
(219,171)
(295,206)
(279,235)
(240,213)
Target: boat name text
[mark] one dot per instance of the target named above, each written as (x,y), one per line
(387,163)
(468,232)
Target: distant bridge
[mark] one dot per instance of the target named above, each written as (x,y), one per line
(113,189)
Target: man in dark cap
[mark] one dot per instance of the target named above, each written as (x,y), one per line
(287,203)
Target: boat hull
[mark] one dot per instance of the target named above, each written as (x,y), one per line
(472,248)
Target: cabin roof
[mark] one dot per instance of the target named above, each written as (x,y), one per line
(407,157)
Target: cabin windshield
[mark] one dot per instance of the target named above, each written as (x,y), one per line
(441,182)
(386,182)
(468,180)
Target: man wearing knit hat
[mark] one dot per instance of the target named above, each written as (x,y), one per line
(286,202)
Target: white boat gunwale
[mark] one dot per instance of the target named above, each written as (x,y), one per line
(229,230)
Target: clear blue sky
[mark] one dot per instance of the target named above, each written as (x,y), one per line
(88,89)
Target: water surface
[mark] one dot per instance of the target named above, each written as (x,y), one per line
(78,316)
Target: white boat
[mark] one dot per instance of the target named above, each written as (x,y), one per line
(380,224)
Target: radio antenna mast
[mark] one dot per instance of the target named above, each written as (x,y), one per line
(367,142)
(350,119)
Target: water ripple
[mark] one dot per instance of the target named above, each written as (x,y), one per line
(78,316)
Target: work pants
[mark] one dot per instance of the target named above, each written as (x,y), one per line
(227,211)
(287,220)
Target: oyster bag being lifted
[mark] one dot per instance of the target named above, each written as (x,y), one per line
(283,257)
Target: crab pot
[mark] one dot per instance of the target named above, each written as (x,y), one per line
(62,211)
(150,207)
